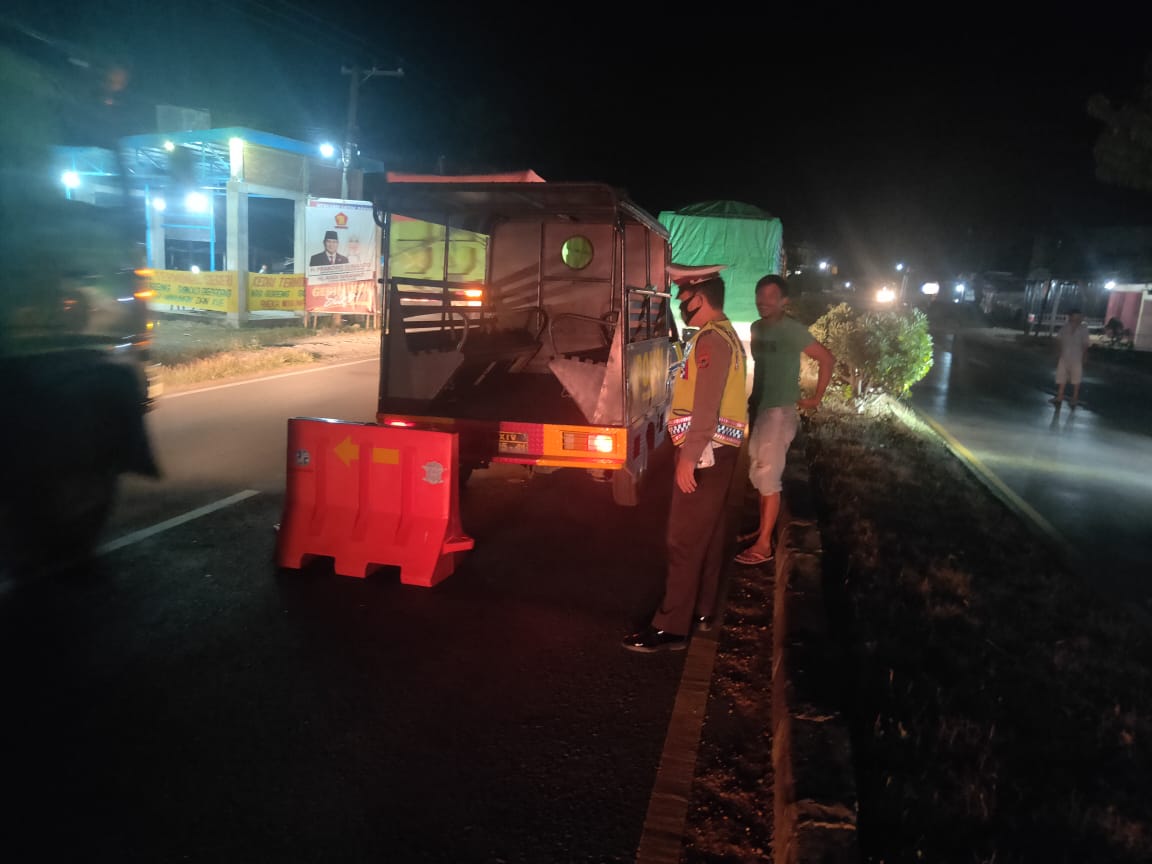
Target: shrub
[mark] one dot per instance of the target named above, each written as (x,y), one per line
(807,308)
(876,351)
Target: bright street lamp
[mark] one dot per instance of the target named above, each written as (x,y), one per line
(196,202)
(900,268)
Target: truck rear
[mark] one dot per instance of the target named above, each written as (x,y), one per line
(531,318)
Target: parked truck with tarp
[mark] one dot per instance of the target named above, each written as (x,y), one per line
(748,241)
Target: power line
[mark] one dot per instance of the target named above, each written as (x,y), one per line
(304,26)
(325,23)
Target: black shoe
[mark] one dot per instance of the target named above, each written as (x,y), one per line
(704,623)
(650,640)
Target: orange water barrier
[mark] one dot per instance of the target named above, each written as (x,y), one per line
(369,496)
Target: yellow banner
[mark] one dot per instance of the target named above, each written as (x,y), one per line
(216,292)
(208,292)
(283,291)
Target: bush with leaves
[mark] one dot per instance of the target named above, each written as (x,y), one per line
(885,351)
(807,307)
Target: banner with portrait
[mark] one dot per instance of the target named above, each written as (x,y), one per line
(343,257)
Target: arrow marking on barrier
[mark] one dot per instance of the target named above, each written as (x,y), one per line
(348,452)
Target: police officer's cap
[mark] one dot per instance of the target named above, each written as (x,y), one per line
(686,276)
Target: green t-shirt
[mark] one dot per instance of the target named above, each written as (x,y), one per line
(776,350)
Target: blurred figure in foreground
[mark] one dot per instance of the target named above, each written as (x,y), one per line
(73,314)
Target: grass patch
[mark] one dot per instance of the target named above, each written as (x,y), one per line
(195,352)
(1001,709)
(178,343)
(232,364)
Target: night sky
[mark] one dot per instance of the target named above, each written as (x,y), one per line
(872,140)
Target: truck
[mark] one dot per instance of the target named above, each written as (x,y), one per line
(74,321)
(531,318)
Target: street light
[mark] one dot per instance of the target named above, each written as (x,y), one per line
(196,202)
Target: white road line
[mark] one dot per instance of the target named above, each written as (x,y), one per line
(145,533)
(261,379)
(998,487)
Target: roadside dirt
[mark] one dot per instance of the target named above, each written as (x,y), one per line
(1001,709)
(177,340)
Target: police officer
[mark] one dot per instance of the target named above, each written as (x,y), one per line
(708,422)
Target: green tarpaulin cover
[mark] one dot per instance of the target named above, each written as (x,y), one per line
(745,238)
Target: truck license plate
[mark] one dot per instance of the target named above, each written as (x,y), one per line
(513,442)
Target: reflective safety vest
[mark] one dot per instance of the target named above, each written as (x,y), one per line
(733,422)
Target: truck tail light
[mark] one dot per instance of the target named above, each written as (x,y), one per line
(589,442)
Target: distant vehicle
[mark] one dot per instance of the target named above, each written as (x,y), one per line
(531,318)
(74,330)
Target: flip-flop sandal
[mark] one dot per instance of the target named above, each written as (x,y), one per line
(749,557)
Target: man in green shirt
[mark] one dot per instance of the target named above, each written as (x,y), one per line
(777,341)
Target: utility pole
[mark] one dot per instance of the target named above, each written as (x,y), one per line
(356,77)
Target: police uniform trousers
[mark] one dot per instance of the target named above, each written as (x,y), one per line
(697,539)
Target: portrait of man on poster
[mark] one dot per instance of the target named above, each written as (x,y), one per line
(329,255)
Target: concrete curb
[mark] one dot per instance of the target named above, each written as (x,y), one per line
(815,804)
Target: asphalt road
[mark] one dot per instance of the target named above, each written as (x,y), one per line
(1083,476)
(186,701)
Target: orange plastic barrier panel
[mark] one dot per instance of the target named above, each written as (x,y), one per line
(369,495)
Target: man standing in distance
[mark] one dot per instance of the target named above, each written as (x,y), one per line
(708,420)
(1072,343)
(777,342)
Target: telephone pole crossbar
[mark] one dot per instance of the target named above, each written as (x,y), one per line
(356,77)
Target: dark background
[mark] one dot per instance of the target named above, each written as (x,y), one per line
(940,142)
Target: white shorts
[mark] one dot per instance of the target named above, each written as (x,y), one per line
(772,434)
(1069,372)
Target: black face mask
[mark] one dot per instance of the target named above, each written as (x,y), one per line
(685,315)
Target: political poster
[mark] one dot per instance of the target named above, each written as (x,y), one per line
(343,265)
